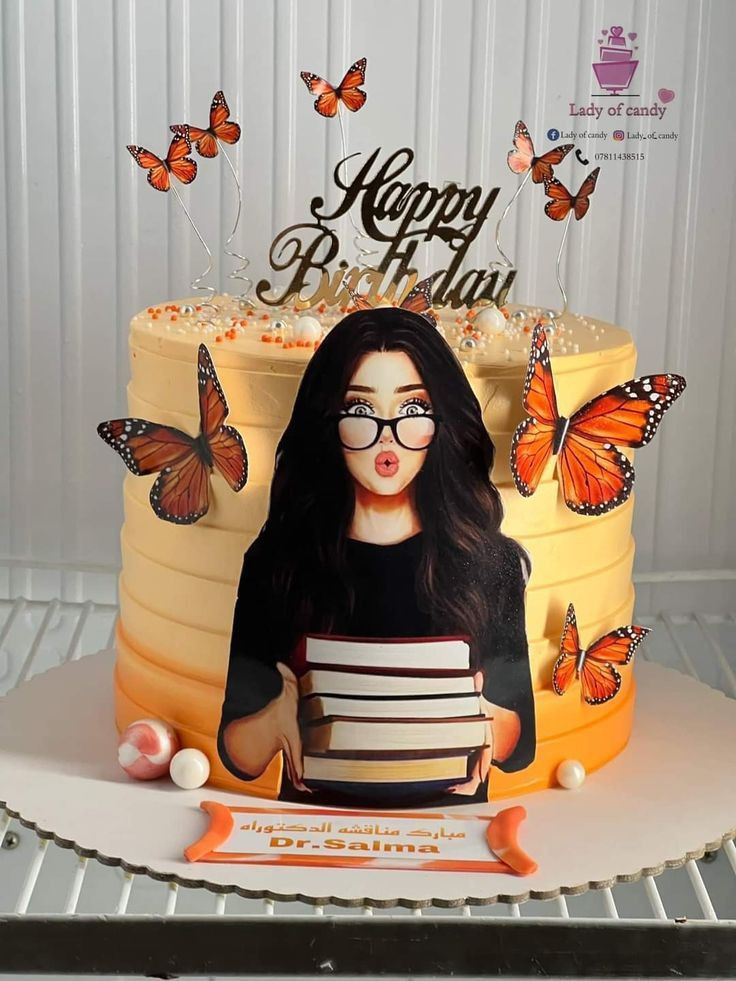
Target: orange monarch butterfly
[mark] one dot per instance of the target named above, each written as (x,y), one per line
(594,667)
(563,202)
(220,128)
(347,92)
(418,300)
(595,476)
(522,157)
(177,163)
(181,492)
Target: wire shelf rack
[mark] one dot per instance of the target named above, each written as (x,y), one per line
(87,909)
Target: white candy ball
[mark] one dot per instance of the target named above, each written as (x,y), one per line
(490,321)
(571,774)
(146,747)
(189,769)
(307,329)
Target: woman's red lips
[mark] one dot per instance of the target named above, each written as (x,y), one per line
(386,463)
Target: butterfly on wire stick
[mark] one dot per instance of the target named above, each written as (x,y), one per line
(329,97)
(176,162)
(221,128)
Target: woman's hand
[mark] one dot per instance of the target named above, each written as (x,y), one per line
(505,728)
(291,740)
(253,741)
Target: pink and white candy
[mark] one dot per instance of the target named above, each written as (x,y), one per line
(146,749)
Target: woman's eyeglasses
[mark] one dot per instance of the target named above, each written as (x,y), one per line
(414,432)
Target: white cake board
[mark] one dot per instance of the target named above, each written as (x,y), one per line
(666,799)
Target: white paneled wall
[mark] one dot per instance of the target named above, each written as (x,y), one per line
(88,243)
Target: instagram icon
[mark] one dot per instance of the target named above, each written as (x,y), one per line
(618,135)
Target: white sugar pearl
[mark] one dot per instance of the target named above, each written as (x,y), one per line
(189,769)
(307,329)
(490,321)
(571,774)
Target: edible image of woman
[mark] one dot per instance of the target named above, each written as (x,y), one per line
(383,523)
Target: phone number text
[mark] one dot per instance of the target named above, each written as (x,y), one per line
(619,156)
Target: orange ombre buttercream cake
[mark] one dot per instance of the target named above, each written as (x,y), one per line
(178,584)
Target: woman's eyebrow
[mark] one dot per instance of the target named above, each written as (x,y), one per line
(409,388)
(361,388)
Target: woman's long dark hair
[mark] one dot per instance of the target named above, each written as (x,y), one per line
(461,578)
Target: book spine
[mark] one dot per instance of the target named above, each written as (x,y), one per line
(298,659)
(381,670)
(386,652)
(317,707)
(332,733)
(325,681)
(387,755)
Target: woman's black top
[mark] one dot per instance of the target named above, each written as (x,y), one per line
(385,606)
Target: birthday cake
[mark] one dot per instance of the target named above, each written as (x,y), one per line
(377,545)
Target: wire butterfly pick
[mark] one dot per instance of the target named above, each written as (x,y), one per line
(208,142)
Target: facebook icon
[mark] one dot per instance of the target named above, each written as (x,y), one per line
(553,134)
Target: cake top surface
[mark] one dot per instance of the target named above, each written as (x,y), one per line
(482,336)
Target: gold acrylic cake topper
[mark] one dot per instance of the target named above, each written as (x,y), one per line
(396,213)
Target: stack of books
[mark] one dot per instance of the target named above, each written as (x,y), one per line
(388,717)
